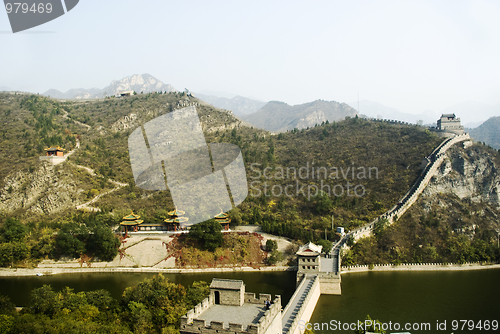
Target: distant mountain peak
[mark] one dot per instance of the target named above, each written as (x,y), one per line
(145,83)
(279,116)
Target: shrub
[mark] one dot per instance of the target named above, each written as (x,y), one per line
(271,245)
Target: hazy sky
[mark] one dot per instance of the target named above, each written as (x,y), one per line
(410,55)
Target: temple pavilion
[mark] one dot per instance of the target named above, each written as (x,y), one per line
(223,219)
(131,223)
(176,221)
(55,151)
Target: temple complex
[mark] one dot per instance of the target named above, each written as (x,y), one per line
(54,151)
(54,155)
(176,221)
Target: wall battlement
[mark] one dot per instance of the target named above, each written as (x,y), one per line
(251,299)
(191,324)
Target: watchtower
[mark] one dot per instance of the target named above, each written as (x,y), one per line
(227,292)
(308,260)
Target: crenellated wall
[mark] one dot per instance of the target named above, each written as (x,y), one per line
(251,299)
(436,159)
(269,323)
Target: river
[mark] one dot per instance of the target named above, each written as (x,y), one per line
(403,297)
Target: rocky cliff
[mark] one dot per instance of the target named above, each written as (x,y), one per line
(465,192)
(468,174)
(47,189)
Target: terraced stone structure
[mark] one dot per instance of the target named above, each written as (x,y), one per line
(230,310)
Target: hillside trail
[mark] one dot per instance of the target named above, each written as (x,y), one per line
(86,206)
(65,116)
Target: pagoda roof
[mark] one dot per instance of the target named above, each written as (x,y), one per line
(221,215)
(131,216)
(309,249)
(134,222)
(176,212)
(224,221)
(54,148)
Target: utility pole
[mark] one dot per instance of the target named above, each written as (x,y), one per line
(326,237)
(332,222)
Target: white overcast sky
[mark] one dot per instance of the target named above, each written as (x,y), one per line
(410,55)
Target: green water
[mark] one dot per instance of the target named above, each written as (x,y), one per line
(18,288)
(414,297)
(404,297)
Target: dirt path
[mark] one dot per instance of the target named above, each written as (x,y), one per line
(65,116)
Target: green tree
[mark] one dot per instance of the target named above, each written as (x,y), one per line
(103,243)
(165,302)
(322,202)
(327,245)
(6,255)
(69,240)
(196,293)
(380,226)
(271,245)
(6,306)
(101,299)
(13,231)
(45,300)
(208,234)
(275,257)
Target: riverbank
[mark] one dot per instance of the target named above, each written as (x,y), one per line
(419,267)
(4,272)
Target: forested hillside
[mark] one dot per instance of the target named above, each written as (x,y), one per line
(363,167)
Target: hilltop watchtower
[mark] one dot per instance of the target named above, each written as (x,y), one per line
(449,124)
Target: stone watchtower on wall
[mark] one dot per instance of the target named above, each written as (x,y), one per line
(449,125)
(308,260)
(227,292)
(311,262)
(230,310)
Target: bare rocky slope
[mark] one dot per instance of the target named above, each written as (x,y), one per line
(47,189)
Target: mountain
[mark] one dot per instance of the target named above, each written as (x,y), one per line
(473,113)
(280,117)
(377,110)
(144,83)
(4,89)
(78,93)
(488,132)
(362,167)
(239,105)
